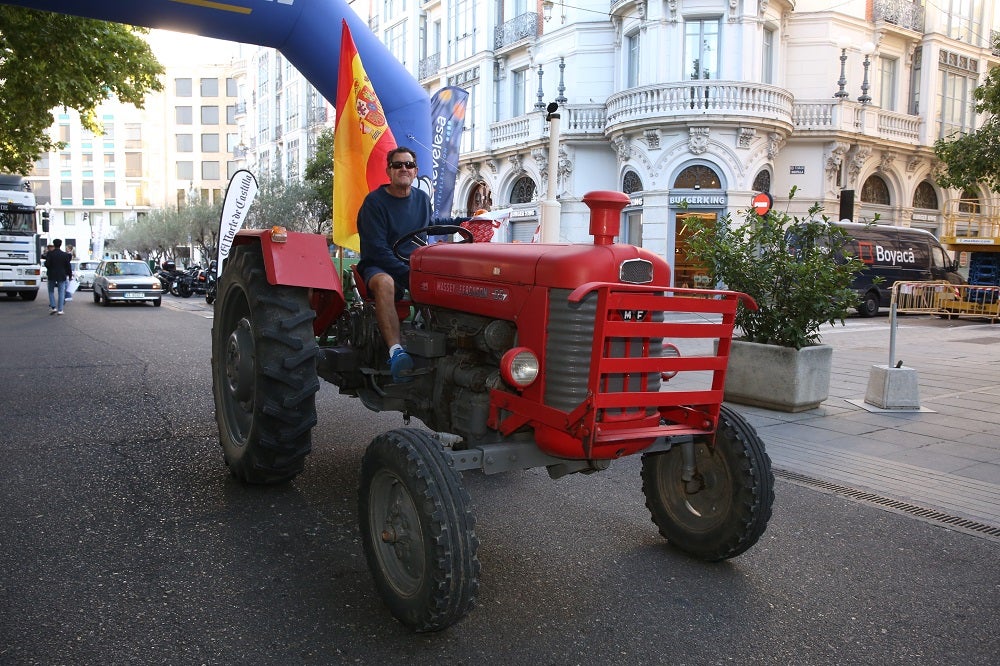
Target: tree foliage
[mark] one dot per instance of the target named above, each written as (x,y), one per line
(292,205)
(319,173)
(975,157)
(796,270)
(159,234)
(50,60)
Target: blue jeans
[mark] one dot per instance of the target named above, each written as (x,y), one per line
(53,287)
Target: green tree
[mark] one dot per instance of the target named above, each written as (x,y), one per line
(161,232)
(796,270)
(292,205)
(201,221)
(975,157)
(156,234)
(50,60)
(319,174)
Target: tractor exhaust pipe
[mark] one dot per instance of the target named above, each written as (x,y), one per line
(605,214)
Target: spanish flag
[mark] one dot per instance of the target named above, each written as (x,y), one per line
(361,141)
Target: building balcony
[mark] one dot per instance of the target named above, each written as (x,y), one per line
(578,122)
(906,14)
(316,115)
(523,27)
(429,66)
(699,102)
(833,117)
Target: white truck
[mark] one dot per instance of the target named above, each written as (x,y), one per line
(20,264)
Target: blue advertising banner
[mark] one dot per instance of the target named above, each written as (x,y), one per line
(447,122)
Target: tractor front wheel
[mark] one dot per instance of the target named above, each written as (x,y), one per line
(418,532)
(724,509)
(263,371)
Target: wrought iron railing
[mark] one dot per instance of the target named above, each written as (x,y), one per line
(516,29)
(317,115)
(904,13)
(429,66)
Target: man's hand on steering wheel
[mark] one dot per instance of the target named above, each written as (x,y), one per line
(416,237)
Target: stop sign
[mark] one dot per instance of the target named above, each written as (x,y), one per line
(762,203)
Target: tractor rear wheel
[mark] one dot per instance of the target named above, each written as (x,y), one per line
(263,372)
(725,508)
(418,532)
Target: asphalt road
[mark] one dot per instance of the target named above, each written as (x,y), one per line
(125,540)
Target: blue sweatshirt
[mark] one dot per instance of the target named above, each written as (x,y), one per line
(382,220)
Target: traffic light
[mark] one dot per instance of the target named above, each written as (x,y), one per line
(45,221)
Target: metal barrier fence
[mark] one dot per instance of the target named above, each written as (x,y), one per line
(947,300)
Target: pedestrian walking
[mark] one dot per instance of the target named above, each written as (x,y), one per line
(60,271)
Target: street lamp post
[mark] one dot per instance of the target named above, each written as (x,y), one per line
(842,93)
(868,48)
(550,206)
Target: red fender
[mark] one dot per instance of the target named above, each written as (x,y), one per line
(303,260)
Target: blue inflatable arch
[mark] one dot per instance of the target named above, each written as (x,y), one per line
(306,32)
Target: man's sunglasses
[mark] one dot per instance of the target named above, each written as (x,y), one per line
(403,165)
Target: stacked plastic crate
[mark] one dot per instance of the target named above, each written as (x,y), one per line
(984,270)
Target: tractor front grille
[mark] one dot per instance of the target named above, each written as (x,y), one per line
(570,349)
(636,271)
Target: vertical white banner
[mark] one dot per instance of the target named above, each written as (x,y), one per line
(239,195)
(97,244)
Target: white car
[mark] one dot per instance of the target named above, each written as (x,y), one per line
(124,281)
(83,271)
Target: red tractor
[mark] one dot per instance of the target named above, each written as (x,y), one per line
(526,355)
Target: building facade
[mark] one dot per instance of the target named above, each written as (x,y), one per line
(692,106)
(179,147)
(688,106)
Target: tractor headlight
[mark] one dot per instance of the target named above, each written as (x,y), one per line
(519,367)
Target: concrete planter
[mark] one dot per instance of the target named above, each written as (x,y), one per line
(779,378)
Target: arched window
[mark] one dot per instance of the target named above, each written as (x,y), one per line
(875,191)
(480,198)
(524,190)
(698,176)
(925,197)
(969,202)
(631,182)
(762,183)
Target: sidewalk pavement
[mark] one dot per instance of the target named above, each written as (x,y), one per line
(940,464)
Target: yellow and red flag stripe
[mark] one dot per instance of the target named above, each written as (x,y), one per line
(361,141)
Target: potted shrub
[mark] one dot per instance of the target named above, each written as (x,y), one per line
(798,273)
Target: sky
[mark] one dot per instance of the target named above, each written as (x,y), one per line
(179,48)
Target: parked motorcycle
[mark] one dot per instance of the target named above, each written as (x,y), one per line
(211,284)
(166,275)
(185,283)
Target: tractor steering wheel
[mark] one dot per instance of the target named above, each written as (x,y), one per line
(433,230)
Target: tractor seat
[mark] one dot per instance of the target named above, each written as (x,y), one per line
(402,306)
